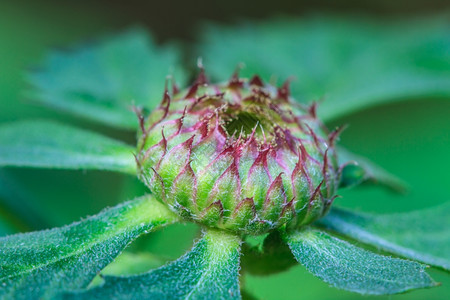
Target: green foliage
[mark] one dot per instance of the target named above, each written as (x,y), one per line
(209,271)
(351,63)
(102,81)
(359,170)
(351,268)
(45,144)
(420,235)
(41,264)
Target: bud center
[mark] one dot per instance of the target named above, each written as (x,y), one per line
(248,120)
(243,122)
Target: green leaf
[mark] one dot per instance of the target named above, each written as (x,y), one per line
(45,144)
(209,271)
(421,235)
(351,63)
(40,264)
(359,170)
(102,81)
(354,269)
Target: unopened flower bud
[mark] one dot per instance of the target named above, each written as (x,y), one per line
(240,156)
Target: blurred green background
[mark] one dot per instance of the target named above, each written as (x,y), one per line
(412,140)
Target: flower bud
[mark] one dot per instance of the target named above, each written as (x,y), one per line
(239,156)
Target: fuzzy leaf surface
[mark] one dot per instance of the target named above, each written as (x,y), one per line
(101,81)
(45,144)
(420,235)
(348,267)
(209,271)
(360,170)
(38,265)
(350,63)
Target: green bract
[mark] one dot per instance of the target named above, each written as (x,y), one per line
(239,156)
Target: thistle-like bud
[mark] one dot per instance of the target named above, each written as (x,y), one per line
(239,156)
